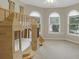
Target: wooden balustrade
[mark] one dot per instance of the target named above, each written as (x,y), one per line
(12,26)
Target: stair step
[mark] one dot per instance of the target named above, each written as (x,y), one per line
(27,56)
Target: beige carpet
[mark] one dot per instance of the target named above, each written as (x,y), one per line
(58,50)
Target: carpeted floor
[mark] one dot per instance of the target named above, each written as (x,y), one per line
(58,50)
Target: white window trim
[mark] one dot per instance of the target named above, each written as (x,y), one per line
(73,34)
(54,32)
(40,20)
(41,25)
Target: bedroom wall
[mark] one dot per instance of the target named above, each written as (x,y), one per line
(45,12)
(29,9)
(58,36)
(64,18)
(4,4)
(44,19)
(67,36)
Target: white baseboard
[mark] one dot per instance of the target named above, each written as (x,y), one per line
(63,39)
(76,42)
(54,38)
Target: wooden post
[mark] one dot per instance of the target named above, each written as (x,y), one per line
(37,32)
(11,6)
(34,36)
(28,33)
(21,19)
(17,35)
(21,10)
(6,35)
(25,33)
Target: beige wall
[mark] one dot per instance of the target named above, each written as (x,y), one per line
(64,18)
(44,18)
(67,10)
(45,12)
(29,9)
(4,4)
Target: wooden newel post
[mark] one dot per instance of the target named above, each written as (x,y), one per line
(11,16)
(11,6)
(34,36)
(6,34)
(21,10)
(21,19)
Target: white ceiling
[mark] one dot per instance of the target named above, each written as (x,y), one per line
(56,4)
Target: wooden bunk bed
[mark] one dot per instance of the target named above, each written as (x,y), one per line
(18,34)
(26,41)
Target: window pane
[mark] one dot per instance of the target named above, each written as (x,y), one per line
(74,19)
(74,24)
(54,20)
(73,28)
(38,19)
(50,28)
(54,24)
(55,28)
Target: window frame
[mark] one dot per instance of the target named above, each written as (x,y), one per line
(39,24)
(39,15)
(49,25)
(73,34)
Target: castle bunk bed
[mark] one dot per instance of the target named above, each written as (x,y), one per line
(18,32)
(25,34)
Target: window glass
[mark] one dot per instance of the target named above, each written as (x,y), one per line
(38,18)
(54,22)
(74,22)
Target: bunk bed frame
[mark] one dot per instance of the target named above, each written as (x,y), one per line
(14,27)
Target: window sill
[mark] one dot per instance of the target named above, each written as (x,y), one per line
(54,33)
(73,34)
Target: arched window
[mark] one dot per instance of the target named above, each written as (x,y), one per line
(54,22)
(38,18)
(73,22)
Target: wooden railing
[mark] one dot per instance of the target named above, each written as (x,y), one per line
(12,26)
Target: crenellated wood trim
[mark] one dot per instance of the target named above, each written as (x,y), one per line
(6,33)
(17,34)
(11,29)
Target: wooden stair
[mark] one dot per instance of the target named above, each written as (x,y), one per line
(26,56)
(40,40)
(28,53)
